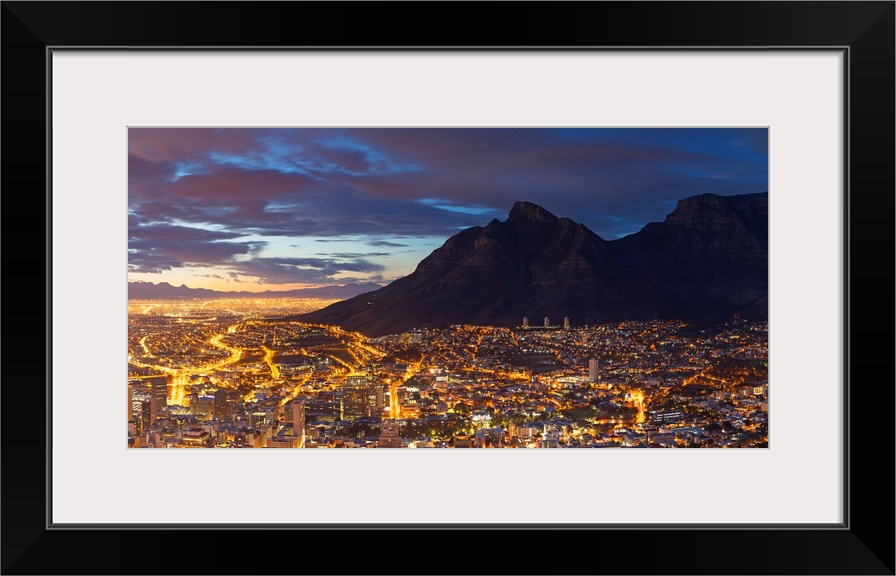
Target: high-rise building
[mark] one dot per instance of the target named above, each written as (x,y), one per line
(130,401)
(566,323)
(354,401)
(298,421)
(592,370)
(225,401)
(159,390)
(547,321)
(260,419)
(374,406)
(316,408)
(525,322)
(203,406)
(146,416)
(362,401)
(141,406)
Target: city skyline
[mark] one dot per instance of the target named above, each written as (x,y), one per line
(238,375)
(279,209)
(576,288)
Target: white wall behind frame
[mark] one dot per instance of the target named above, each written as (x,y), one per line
(798,95)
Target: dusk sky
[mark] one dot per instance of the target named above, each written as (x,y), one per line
(278,209)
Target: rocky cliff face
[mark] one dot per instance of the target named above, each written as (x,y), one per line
(708,259)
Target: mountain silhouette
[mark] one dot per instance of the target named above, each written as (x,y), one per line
(706,261)
(164,290)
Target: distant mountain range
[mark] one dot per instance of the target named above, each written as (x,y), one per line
(705,262)
(164,290)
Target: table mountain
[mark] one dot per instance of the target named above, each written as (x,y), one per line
(706,261)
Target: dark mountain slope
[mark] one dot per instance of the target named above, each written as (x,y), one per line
(708,259)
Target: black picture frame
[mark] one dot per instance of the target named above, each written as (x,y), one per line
(864,544)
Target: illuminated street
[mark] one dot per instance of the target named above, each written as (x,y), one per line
(238,375)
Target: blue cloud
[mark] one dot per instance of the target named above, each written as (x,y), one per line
(182,169)
(411,187)
(449,207)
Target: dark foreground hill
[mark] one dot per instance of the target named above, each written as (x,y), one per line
(705,262)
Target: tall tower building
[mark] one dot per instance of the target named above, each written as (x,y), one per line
(146,416)
(373,405)
(547,321)
(566,323)
(592,370)
(354,403)
(225,401)
(141,406)
(159,394)
(298,421)
(130,402)
(525,322)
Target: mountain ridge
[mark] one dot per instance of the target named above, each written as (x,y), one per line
(164,290)
(708,258)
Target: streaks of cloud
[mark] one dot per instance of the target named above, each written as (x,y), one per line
(226,198)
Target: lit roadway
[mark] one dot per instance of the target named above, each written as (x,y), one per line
(180,377)
(394,409)
(296,390)
(269,360)
(356,347)
(145,348)
(638,400)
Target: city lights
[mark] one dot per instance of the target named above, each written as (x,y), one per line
(236,373)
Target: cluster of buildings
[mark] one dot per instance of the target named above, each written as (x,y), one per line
(547,323)
(293,385)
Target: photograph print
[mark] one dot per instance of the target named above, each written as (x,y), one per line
(447,288)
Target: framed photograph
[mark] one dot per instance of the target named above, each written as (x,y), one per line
(568,232)
(373,287)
